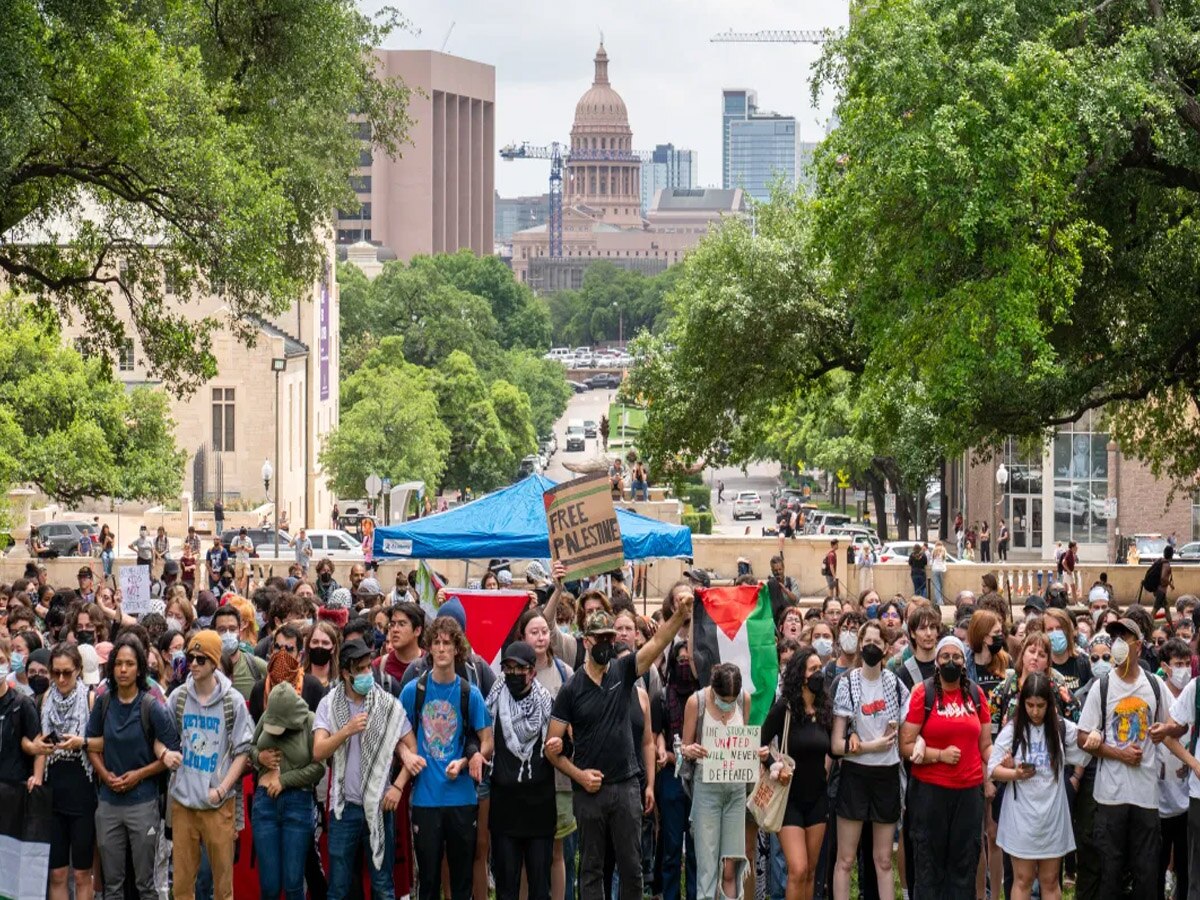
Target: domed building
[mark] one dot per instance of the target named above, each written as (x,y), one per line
(602,202)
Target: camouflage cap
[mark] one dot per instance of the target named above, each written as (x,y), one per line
(599,622)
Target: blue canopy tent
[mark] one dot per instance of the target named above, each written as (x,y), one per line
(511,523)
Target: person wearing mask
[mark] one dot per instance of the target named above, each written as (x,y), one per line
(37,669)
(325,582)
(553,673)
(868,707)
(68,773)
(215,733)
(718,815)
(359,728)
(125,727)
(23,644)
(821,640)
(847,645)
(801,722)
(1035,819)
(247,668)
(524,813)
(282,818)
(20,730)
(143,547)
(321,654)
(595,704)
(1121,709)
(284,668)
(1065,656)
(1176,659)
(673,802)
(947,736)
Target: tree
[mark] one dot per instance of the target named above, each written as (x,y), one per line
(511,405)
(68,427)
(191,143)
(1011,199)
(611,300)
(481,456)
(542,381)
(391,428)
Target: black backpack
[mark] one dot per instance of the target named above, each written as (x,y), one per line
(146,702)
(1153,578)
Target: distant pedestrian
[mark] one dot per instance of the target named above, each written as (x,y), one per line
(829,568)
(334,516)
(219,514)
(720,491)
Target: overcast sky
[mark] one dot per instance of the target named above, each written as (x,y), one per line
(660,61)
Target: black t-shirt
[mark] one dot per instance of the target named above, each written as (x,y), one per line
(526,808)
(1076,671)
(18,719)
(926,668)
(807,743)
(599,717)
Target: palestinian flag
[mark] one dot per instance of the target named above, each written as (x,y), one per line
(735,625)
(427,584)
(26,820)
(491,617)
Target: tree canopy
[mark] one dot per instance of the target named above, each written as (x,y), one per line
(611,299)
(69,427)
(180,144)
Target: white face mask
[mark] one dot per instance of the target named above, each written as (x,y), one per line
(1120,651)
(174,624)
(848,641)
(1180,676)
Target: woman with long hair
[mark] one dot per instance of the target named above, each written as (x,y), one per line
(802,720)
(948,737)
(321,653)
(867,708)
(1035,820)
(674,805)
(1034,657)
(1066,658)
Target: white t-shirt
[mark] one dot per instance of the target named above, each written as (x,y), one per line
(1183,711)
(242,546)
(353,779)
(868,709)
(1035,822)
(1131,710)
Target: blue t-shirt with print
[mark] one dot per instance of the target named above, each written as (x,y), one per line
(440,741)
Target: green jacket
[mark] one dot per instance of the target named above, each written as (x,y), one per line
(286,708)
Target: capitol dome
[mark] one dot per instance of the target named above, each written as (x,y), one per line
(600,104)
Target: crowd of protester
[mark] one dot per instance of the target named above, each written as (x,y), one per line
(365,746)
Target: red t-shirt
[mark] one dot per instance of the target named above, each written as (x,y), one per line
(393,666)
(831,562)
(953,725)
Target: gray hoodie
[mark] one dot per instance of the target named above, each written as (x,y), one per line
(207,749)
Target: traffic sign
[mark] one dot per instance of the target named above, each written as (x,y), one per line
(386,485)
(843,479)
(374,485)
(889,504)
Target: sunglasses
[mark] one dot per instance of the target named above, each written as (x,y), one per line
(1158,642)
(63,673)
(280,647)
(1097,657)
(197,659)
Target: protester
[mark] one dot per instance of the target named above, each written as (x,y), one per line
(1176,659)
(947,736)
(247,668)
(321,654)
(673,801)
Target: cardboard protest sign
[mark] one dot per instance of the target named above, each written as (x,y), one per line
(135,590)
(732,753)
(584,534)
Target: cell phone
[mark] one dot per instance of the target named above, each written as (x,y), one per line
(1027,767)
(52,738)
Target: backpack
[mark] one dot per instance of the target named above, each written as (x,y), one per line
(1153,579)
(144,707)
(227,708)
(1158,704)
(975,690)
(464,707)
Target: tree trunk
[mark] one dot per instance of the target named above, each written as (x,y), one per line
(875,484)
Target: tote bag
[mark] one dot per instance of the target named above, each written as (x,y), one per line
(768,800)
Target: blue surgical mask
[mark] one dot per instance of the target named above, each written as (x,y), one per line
(823,646)
(18,662)
(725,706)
(363,683)
(873,611)
(1058,641)
(229,641)
(1100,668)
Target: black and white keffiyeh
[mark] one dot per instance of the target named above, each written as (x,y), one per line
(67,716)
(523,721)
(385,727)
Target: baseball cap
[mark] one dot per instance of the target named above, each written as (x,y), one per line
(91,664)
(170,567)
(520,653)
(1035,601)
(352,651)
(599,622)
(85,572)
(1124,625)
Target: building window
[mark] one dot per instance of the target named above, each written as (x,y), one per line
(1196,515)
(1081,481)
(222,419)
(125,357)
(360,184)
(364,158)
(361,130)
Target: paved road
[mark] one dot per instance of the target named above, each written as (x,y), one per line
(588,405)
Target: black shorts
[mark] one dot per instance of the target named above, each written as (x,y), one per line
(806,814)
(73,841)
(868,793)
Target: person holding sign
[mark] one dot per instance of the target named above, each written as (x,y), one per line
(724,752)
(867,710)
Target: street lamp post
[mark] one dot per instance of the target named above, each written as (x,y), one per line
(620,324)
(1002,484)
(278,365)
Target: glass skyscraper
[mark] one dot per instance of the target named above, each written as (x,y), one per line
(668,168)
(759,147)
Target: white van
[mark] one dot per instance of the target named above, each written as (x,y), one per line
(559,354)
(575,435)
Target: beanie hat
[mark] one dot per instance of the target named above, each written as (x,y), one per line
(208,643)
(453,609)
(338,617)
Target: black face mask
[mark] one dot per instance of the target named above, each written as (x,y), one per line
(602,653)
(39,684)
(326,577)
(85,637)
(320,656)
(517,683)
(950,671)
(816,682)
(996,645)
(872,655)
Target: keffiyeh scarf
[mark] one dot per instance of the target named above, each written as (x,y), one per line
(385,722)
(67,717)
(523,721)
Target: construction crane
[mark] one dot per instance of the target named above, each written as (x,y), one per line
(809,36)
(559,156)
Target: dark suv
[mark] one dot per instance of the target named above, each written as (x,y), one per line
(603,380)
(63,537)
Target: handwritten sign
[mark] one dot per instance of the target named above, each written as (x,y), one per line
(135,590)
(584,534)
(732,753)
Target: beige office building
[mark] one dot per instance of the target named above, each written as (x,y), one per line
(438,196)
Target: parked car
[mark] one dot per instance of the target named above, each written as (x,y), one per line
(558,354)
(529,465)
(604,380)
(858,534)
(63,537)
(819,522)
(262,538)
(1188,553)
(589,428)
(577,386)
(575,436)
(747,504)
(898,551)
(326,542)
